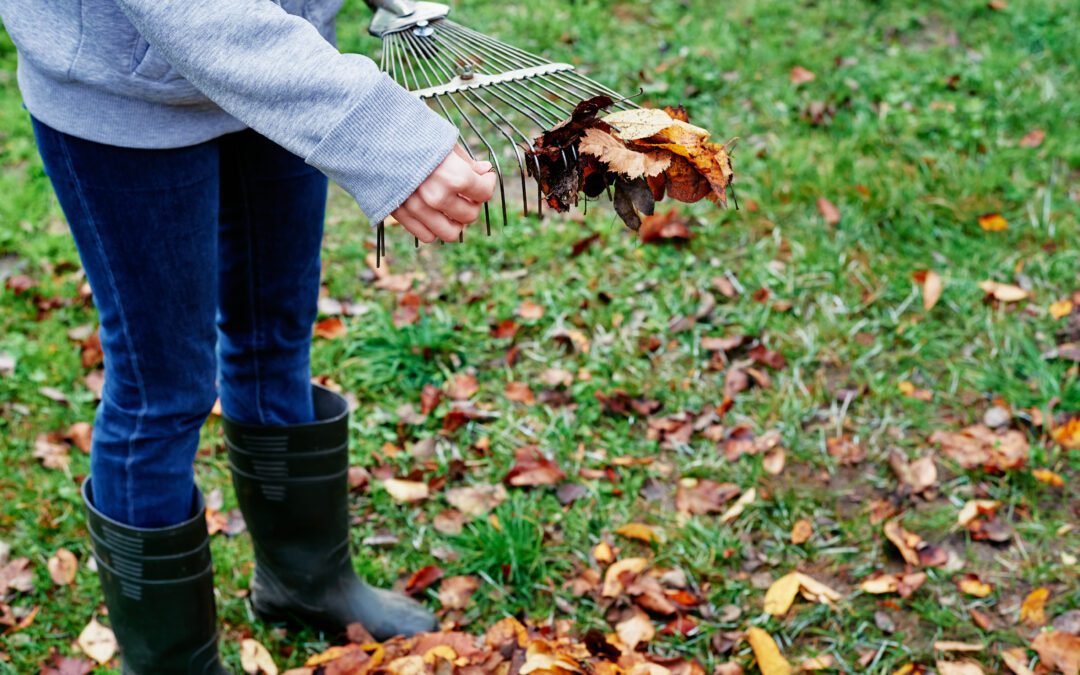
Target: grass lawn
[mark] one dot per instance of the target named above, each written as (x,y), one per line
(921,118)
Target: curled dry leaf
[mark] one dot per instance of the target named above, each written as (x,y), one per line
(932,286)
(769,659)
(621,159)
(532,468)
(635,630)
(980,446)
(476,500)
(954,646)
(613,582)
(739,506)
(330,329)
(781,595)
(639,531)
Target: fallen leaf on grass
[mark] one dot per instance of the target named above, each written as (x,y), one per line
(954,646)
(800,75)
(700,496)
(639,531)
(971,584)
(828,211)
(823,662)
(66,665)
(330,329)
(455,592)
(530,310)
(1057,649)
(958,668)
(406,490)
(670,226)
(1033,138)
(1003,292)
(845,450)
(53,455)
(62,567)
(739,506)
(1068,435)
(1061,308)
(81,435)
(1033,608)
(613,582)
(993,222)
(532,468)
(901,584)
(1049,477)
(255,659)
(476,500)
(781,594)
(801,531)
(520,392)
(462,387)
(1017,659)
(932,286)
(635,630)
(769,659)
(918,475)
(914,550)
(422,579)
(980,446)
(97,642)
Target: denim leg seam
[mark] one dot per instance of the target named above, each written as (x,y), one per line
(144,404)
(256,326)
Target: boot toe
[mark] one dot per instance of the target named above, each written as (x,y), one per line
(400,615)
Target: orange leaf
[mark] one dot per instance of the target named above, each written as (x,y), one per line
(828,211)
(800,75)
(993,222)
(330,329)
(1033,609)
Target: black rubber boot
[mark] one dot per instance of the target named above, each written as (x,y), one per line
(159,589)
(292,487)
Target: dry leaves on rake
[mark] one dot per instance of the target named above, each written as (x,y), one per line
(646,154)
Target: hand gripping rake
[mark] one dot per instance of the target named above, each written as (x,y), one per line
(498,96)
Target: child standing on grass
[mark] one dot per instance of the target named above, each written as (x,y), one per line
(189,144)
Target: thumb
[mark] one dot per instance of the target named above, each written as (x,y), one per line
(479,167)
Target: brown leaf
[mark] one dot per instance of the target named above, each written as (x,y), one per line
(1057,649)
(614,583)
(406,490)
(800,75)
(828,211)
(1003,292)
(1017,659)
(845,450)
(476,500)
(670,226)
(980,446)
(529,310)
(80,434)
(455,592)
(700,496)
(520,392)
(462,387)
(932,286)
(53,455)
(958,668)
(1033,138)
(62,567)
(635,630)
(330,329)
(532,468)
(621,159)
(801,531)
(422,578)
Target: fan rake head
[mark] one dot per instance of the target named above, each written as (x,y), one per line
(498,96)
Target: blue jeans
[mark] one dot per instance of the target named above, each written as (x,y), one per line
(204,264)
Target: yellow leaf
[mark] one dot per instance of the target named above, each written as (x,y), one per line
(973,508)
(639,531)
(1049,477)
(639,122)
(769,659)
(886,583)
(971,584)
(1033,609)
(816,591)
(823,662)
(993,222)
(781,594)
(1061,308)
(603,553)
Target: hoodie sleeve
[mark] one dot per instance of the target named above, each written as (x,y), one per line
(275,73)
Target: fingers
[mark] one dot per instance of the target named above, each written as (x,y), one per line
(461,210)
(414,226)
(435,221)
(480,167)
(480,188)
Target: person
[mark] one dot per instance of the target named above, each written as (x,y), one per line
(189,145)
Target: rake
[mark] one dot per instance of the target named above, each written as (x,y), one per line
(498,96)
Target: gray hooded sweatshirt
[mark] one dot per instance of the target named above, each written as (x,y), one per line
(171,73)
